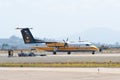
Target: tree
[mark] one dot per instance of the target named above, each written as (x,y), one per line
(4,46)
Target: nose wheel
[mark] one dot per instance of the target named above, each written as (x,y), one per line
(93,52)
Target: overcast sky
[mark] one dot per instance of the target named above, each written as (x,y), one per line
(56,18)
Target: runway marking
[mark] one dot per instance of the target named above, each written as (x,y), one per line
(88,70)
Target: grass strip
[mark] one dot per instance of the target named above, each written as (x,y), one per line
(80,64)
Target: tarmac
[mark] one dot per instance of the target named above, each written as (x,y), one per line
(26,73)
(59,73)
(61,57)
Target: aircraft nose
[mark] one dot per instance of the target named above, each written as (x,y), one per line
(96,48)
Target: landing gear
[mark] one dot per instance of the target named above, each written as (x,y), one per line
(93,52)
(54,53)
(69,52)
(55,50)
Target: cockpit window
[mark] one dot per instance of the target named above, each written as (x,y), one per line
(87,45)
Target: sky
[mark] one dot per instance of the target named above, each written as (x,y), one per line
(59,18)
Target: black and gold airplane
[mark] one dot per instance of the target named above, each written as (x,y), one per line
(55,46)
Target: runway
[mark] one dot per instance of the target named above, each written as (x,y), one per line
(59,74)
(25,73)
(62,58)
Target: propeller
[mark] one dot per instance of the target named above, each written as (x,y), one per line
(79,38)
(65,42)
(23,28)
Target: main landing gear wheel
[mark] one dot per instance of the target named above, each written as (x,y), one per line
(69,53)
(54,53)
(55,50)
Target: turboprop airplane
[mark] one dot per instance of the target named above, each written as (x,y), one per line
(55,46)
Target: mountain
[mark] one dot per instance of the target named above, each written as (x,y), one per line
(13,43)
(16,43)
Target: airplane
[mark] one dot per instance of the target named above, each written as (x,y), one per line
(56,46)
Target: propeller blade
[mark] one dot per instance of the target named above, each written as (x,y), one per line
(79,39)
(63,40)
(67,40)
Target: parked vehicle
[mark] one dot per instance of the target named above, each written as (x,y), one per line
(31,54)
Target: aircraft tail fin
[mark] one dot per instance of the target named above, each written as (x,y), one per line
(28,37)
